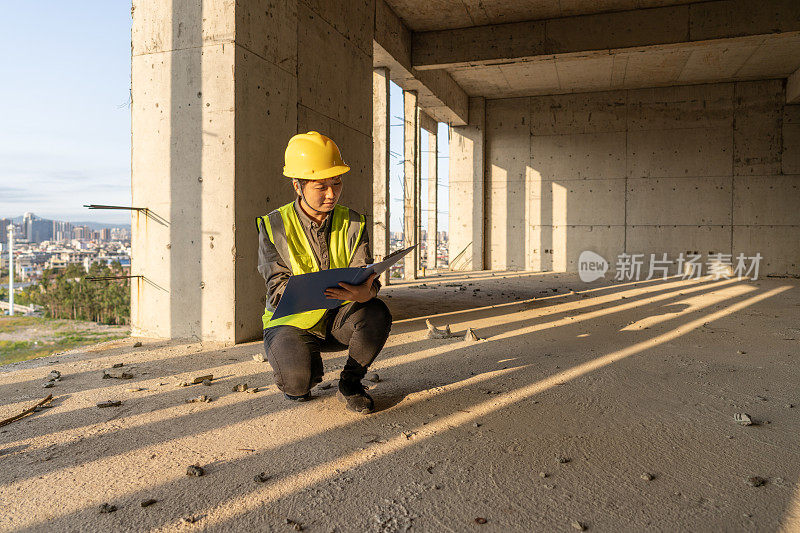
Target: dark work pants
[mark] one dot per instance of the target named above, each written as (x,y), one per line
(294,353)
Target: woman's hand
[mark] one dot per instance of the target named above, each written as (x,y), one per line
(357,293)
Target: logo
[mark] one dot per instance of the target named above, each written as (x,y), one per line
(591,266)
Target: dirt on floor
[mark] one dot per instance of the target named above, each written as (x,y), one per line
(603,406)
(28,337)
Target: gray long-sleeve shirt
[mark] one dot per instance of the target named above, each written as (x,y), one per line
(276,273)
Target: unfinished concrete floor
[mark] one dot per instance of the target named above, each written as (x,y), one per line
(550,424)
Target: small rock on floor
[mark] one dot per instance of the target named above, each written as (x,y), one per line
(297,526)
(109,403)
(647,476)
(372,376)
(480,520)
(195,470)
(240,387)
(259,358)
(107,508)
(562,459)
(137,344)
(262,477)
(148,503)
(580,526)
(743,419)
(756,481)
(199,399)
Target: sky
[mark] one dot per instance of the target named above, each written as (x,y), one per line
(65,108)
(64,103)
(396,172)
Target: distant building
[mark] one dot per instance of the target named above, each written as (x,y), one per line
(62,231)
(4,223)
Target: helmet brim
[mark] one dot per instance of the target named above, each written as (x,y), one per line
(319,175)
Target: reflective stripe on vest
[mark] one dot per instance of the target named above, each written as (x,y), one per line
(285,231)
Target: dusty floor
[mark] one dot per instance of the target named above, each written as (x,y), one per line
(617,380)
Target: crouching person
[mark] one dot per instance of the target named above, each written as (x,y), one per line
(310,234)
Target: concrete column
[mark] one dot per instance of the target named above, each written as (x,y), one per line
(466,181)
(433,201)
(218,89)
(411,180)
(380,166)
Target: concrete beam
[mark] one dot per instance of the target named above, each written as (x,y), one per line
(411,179)
(433,200)
(793,88)
(437,92)
(704,21)
(428,123)
(380,167)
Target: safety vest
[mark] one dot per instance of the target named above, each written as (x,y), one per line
(286,233)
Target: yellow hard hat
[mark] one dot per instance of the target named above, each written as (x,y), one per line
(312,156)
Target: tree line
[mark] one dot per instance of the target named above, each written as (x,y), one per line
(68,294)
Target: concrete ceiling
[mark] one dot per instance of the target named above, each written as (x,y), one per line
(424,15)
(743,58)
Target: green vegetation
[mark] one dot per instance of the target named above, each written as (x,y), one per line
(67,294)
(51,336)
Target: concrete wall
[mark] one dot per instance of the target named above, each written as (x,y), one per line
(218,89)
(705,168)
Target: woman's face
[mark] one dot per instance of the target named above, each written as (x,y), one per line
(322,195)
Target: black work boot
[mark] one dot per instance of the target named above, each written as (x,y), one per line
(304,398)
(352,391)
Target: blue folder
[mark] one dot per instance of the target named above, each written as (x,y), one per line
(306,292)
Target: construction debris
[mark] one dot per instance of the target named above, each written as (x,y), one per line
(261,477)
(436,333)
(109,403)
(297,526)
(26,412)
(117,375)
(743,419)
(199,399)
(240,387)
(107,508)
(195,470)
(580,526)
(471,336)
(148,503)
